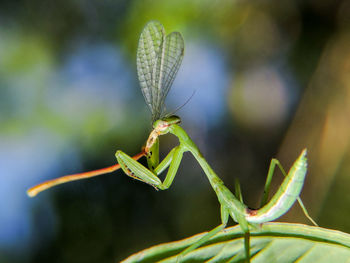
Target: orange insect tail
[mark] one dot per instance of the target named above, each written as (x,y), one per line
(33,191)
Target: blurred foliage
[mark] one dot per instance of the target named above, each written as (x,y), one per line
(270,77)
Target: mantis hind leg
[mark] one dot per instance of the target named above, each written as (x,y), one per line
(243,224)
(207,236)
(225,213)
(273,164)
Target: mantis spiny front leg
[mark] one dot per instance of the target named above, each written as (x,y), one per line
(136,170)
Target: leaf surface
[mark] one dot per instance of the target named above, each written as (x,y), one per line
(273,242)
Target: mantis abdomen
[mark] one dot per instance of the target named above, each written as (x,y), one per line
(286,195)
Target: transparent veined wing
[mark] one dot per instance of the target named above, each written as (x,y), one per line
(158,60)
(150,42)
(168,65)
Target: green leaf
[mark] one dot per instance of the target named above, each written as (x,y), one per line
(273,242)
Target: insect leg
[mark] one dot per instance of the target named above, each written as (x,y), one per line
(207,236)
(273,164)
(137,171)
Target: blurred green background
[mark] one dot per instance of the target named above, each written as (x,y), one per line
(270,78)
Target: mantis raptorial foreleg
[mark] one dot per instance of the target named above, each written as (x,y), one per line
(137,171)
(274,162)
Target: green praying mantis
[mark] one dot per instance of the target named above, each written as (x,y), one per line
(159,57)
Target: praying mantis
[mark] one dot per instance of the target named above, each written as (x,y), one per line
(159,57)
